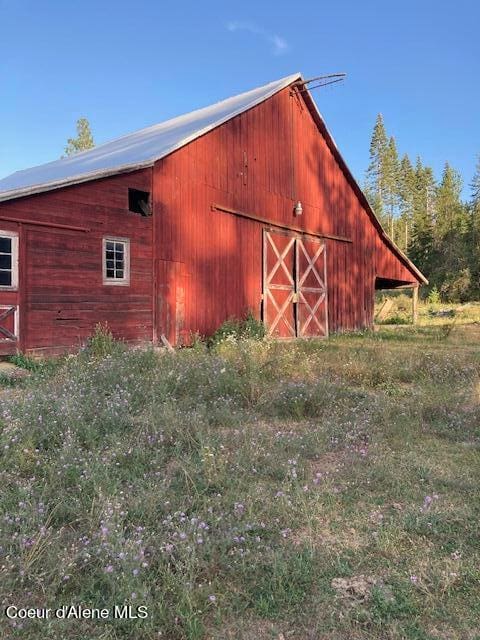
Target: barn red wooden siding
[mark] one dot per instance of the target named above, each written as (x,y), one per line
(261,162)
(193,266)
(61,294)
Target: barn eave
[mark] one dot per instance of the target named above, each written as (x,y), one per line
(317,116)
(139,149)
(68,182)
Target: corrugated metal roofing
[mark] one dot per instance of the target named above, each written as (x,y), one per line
(135,150)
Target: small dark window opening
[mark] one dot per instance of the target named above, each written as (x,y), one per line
(139,202)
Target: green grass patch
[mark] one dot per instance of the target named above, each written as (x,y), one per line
(249,488)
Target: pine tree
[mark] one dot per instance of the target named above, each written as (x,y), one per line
(375,186)
(452,238)
(405,194)
(450,213)
(390,177)
(475,185)
(474,233)
(84,139)
(421,248)
(427,220)
(406,187)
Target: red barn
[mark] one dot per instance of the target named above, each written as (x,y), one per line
(244,205)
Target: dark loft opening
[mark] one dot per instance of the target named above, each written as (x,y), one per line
(385,283)
(139,202)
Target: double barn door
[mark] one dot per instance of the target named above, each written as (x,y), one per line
(294,285)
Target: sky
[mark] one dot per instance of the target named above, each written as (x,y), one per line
(127,65)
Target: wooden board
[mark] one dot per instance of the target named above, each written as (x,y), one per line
(279,284)
(294,285)
(311,286)
(8,329)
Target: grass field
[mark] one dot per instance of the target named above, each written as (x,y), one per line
(428,314)
(253,491)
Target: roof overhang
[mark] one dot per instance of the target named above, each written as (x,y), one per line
(239,104)
(310,102)
(68,182)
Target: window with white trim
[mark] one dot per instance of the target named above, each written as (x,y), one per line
(116,261)
(8,260)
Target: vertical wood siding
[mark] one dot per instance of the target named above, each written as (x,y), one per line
(62,295)
(261,162)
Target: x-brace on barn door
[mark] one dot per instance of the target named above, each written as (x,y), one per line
(294,285)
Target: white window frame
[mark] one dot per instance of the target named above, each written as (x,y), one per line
(14,238)
(122,282)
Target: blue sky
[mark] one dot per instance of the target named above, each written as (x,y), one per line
(126,65)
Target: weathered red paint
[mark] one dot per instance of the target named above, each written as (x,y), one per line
(288,160)
(192,267)
(61,295)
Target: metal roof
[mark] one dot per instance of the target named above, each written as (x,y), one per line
(135,150)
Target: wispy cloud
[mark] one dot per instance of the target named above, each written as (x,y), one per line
(279,45)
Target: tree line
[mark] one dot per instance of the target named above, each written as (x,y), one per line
(427,218)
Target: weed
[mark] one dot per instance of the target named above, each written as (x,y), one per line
(230,487)
(25,362)
(102,342)
(434,296)
(397,319)
(239,329)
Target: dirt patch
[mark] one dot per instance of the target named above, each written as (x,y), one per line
(328,464)
(447,633)
(10,373)
(323,536)
(251,630)
(10,370)
(356,590)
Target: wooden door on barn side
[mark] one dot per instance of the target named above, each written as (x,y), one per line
(294,285)
(172,285)
(311,287)
(279,284)
(9,323)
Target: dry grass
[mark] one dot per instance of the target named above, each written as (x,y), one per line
(254,490)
